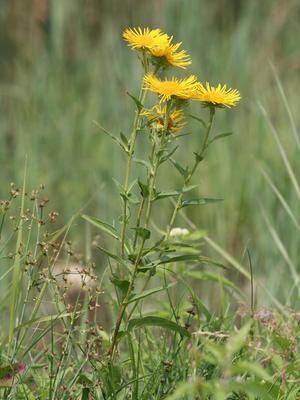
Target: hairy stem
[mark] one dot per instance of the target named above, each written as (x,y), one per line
(132,142)
(187,180)
(142,203)
(152,177)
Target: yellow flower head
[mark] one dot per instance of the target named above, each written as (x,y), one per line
(146,39)
(219,96)
(171,56)
(156,117)
(182,89)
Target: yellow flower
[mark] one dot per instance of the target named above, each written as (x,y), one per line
(145,38)
(218,96)
(156,117)
(183,89)
(171,56)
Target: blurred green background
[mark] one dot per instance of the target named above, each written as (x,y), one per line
(63,65)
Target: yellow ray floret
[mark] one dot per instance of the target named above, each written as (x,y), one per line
(171,55)
(145,38)
(183,89)
(157,115)
(218,96)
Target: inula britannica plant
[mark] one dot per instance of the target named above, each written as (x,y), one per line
(147,305)
(162,119)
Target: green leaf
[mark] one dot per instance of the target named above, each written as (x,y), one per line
(143,233)
(113,137)
(174,193)
(196,235)
(208,260)
(124,140)
(183,171)
(184,257)
(163,195)
(105,227)
(189,188)
(197,202)
(120,260)
(131,197)
(137,102)
(199,120)
(198,157)
(158,321)
(122,284)
(144,189)
(220,136)
(168,155)
(149,292)
(143,163)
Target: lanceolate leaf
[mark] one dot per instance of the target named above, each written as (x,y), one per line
(174,193)
(144,189)
(102,225)
(198,202)
(113,137)
(115,257)
(137,102)
(168,155)
(163,195)
(158,321)
(124,140)
(183,171)
(188,257)
(199,120)
(220,136)
(149,292)
(184,257)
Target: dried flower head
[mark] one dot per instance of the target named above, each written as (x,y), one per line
(156,117)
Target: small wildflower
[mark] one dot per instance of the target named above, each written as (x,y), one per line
(156,118)
(182,89)
(218,96)
(179,232)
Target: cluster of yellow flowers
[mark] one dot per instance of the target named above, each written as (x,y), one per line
(164,53)
(159,46)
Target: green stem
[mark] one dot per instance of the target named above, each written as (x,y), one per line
(142,204)
(124,303)
(187,180)
(17,272)
(132,142)
(138,221)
